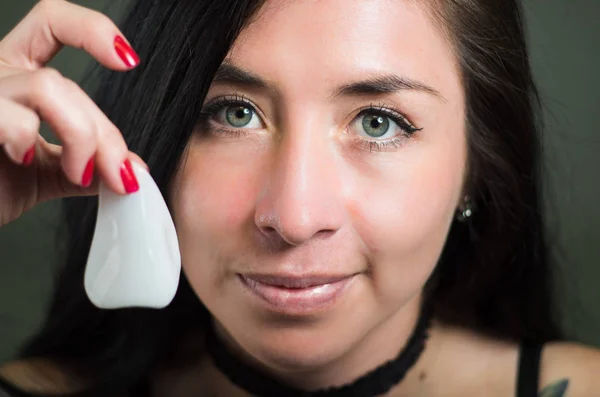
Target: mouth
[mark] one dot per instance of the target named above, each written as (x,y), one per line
(297,295)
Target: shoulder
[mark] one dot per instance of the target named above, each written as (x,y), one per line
(487,365)
(571,366)
(491,365)
(37,376)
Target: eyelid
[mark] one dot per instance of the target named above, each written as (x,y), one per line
(389,111)
(215,105)
(407,128)
(210,108)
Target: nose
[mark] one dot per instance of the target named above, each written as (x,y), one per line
(301,198)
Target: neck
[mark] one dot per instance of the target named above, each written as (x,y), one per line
(191,368)
(380,345)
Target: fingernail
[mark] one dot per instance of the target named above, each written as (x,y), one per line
(88,173)
(126,53)
(28,158)
(129,180)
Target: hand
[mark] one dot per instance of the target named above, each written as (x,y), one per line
(31,169)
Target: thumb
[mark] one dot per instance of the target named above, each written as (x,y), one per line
(53,183)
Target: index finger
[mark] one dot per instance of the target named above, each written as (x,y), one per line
(54,23)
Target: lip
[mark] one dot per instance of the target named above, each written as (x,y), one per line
(297,295)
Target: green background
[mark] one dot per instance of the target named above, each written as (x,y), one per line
(565,50)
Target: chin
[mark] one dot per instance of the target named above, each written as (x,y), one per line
(293,343)
(297,350)
(302,345)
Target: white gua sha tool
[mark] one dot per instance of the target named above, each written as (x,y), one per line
(134,260)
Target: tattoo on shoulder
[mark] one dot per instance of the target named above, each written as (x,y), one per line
(556,389)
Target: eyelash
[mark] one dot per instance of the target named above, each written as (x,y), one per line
(393,143)
(211,109)
(216,105)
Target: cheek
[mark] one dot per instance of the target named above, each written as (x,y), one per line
(403,216)
(213,199)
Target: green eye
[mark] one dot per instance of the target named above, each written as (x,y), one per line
(375,125)
(238,116)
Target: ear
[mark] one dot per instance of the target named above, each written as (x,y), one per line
(465,208)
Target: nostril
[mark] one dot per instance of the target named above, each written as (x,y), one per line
(272,238)
(324,233)
(268,230)
(296,227)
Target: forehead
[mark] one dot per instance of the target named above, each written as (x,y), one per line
(334,40)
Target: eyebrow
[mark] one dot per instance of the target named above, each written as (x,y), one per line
(386,84)
(229,73)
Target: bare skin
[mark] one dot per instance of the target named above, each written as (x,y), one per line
(305,179)
(487,367)
(456,363)
(32,170)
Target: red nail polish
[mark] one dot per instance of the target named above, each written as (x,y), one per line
(129,180)
(28,158)
(88,173)
(126,53)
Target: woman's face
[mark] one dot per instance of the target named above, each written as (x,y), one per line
(321,182)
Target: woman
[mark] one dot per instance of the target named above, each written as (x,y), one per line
(355,187)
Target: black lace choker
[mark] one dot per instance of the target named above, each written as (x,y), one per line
(375,383)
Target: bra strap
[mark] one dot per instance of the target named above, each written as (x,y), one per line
(529,369)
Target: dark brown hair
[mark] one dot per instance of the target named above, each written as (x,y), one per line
(495,274)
